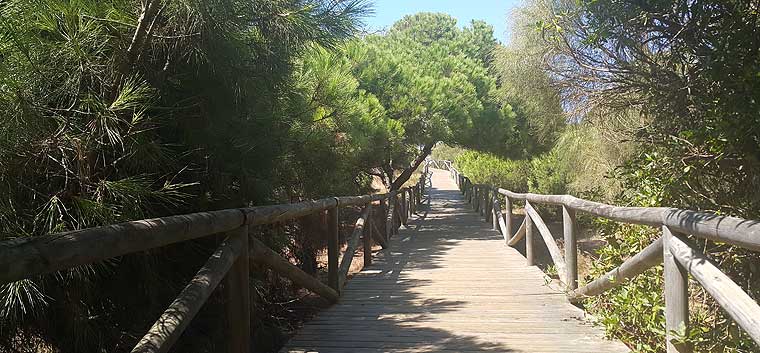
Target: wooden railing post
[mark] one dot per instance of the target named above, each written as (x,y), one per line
(508,215)
(494,204)
(367,237)
(237,299)
(571,247)
(389,218)
(332,247)
(528,238)
(676,297)
(489,205)
(404,207)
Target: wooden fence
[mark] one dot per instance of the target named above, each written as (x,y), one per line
(26,257)
(678,254)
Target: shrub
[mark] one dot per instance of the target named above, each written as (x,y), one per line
(485,168)
(548,174)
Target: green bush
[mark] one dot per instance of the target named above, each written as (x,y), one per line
(634,312)
(485,168)
(547,175)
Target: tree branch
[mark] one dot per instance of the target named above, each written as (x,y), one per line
(407,173)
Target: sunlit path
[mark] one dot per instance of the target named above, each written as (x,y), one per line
(449,283)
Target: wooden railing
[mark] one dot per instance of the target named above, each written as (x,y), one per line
(678,254)
(26,257)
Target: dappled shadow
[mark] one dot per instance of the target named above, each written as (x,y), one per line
(430,291)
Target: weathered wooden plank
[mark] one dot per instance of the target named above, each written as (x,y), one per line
(351,246)
(442,287)
(676,297)
(732,298)
(262,254)
(554,251)
(167,329)
(650,256)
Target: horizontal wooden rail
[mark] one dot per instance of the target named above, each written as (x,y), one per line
(737,231)
(175,319)
(737,303)
(674,222)
(262,254)
(632,267)
(28,257)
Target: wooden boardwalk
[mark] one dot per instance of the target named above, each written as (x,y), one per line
(449,283)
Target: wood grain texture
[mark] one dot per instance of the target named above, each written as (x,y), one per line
(449,283)
(571,247)
(676,297)
(740,306)
(635,265)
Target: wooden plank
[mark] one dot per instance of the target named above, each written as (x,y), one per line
(676,297)
(554,251)
(732,298)
(262,254)
(167,329)
(442,287)
(650,256)
(351,246)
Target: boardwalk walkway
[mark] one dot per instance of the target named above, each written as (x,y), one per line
(449,283)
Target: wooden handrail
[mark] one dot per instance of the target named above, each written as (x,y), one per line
(175,319)
(262,254)
(632,267)
(546,235)
(27,257)
(737,231)
(352,245)
(732,298)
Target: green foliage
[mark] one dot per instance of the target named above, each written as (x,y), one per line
(633,311)
(199,115)
(548,175)
(443,151)
(431,76)
(485,168)
(530,90)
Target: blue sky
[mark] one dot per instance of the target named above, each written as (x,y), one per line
(493,12)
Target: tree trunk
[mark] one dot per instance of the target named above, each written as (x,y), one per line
(407,173)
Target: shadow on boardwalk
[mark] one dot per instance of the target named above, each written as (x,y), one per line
(447,283)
